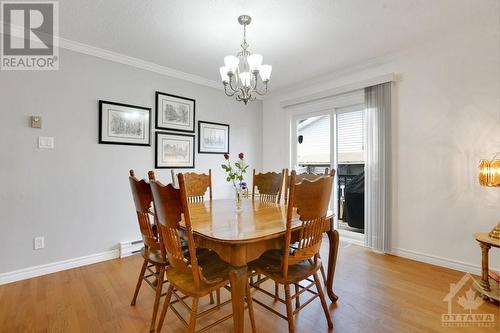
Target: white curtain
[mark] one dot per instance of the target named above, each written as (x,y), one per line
(377,168)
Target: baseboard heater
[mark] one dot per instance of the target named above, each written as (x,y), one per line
(130,247)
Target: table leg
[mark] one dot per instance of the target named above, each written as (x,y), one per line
(484,276)
(238,278)
(333,237)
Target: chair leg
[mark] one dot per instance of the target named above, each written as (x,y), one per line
(212,297)
(166,304)
(192,318)
(323,275)
(157,272)
(159,286)
(297,299)
(323,302)
(139,281)
(289,311)
(276,292)
(217,296)
(250,307)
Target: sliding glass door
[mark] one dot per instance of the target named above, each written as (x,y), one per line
(350,166)
(335,139)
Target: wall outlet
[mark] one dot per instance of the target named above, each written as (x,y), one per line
(39,242)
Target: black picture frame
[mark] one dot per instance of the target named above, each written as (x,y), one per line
(177,166)
(125,141)
(158,119)
(201,150)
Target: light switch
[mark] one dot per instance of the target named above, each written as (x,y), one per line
(38,243)
(45,142)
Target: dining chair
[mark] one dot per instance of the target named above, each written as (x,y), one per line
(193,276)
(152,250)
(302,176)
(298,179)
(310,201)
(268,185)
(197,185)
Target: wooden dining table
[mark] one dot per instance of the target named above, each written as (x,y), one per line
(240,237)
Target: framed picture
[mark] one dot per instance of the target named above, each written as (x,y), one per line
(174,113)
(174,150)
(213,138)
(124,124)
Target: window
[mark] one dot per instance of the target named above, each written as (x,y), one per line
(350,137)
(315,146)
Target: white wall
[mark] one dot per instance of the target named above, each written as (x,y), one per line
(78,195)
(446,118)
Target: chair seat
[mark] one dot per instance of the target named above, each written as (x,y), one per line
(214,270)
(153,256)
(269,264)
(156,257)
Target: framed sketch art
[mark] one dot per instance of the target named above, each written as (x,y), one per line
(174,113)
(213,138)
(174,150)
(124,124)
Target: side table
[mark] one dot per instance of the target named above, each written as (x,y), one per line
(489,288)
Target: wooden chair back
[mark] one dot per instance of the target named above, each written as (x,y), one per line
(197,185)
(171,205)
(269,186)
(143,200)
(305,175)
(311,199)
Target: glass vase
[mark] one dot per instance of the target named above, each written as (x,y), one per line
(238,195)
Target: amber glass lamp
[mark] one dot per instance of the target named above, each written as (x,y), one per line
(489,175)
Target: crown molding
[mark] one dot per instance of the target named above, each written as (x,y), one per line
(135,62)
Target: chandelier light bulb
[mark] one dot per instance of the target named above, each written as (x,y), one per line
(254,62)
(223,74)
(245,79)
(231,63)
(265,72)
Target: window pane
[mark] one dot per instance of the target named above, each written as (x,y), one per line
(315,146)
(350,136)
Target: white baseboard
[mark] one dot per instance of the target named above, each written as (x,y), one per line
(129,248)
(354,238)
(30,272)
(438,261)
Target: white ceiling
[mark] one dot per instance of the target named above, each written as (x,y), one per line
(300,39)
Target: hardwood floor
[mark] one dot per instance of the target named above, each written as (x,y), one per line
(377,293)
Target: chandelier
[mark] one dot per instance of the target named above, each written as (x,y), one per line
(240,74)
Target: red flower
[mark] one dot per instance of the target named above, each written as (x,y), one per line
(241,156)
(226,156)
